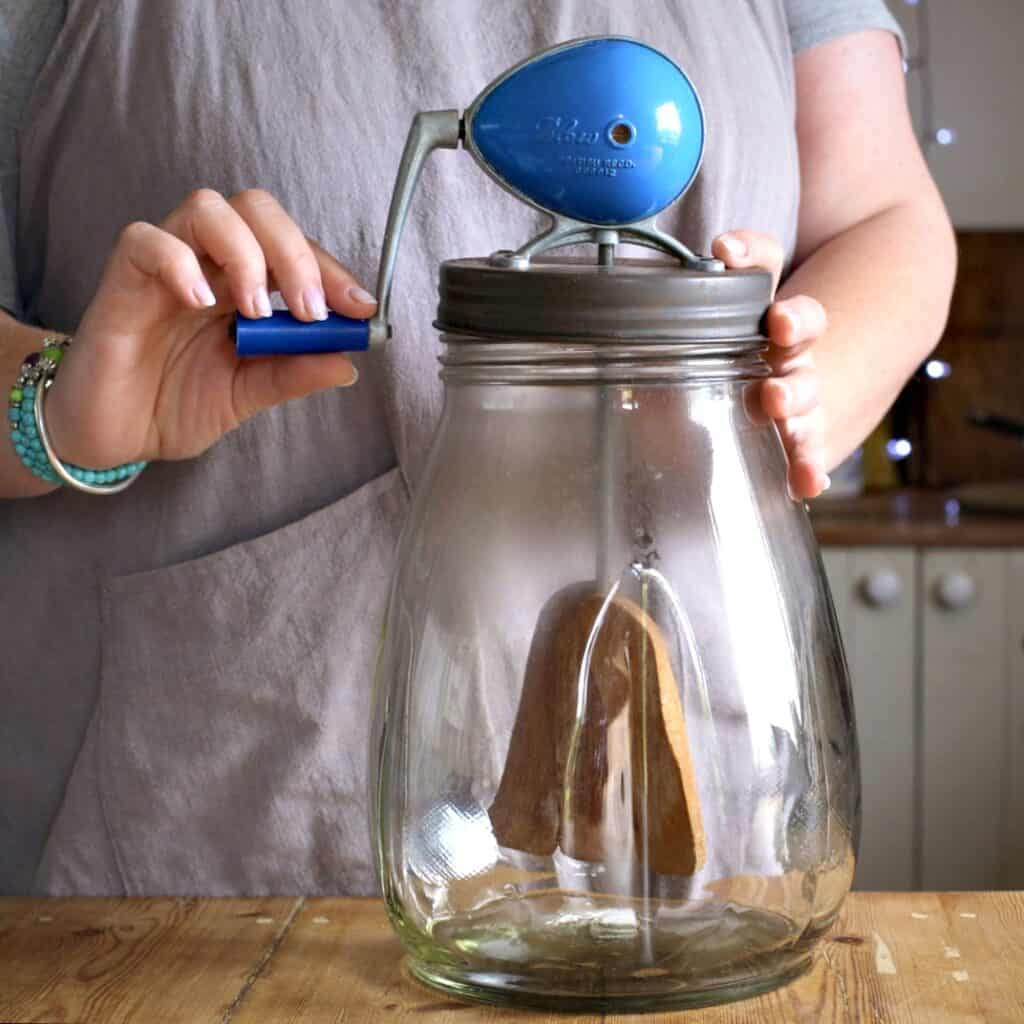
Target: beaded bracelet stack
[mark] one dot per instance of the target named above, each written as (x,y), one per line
(28,429)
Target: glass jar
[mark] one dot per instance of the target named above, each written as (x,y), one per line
(613,757)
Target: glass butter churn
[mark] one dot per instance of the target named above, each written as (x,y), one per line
(613,758)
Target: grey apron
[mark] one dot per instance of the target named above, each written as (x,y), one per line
(188,666)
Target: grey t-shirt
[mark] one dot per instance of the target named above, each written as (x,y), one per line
(197,724)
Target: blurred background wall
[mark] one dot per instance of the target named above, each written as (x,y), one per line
(976,75)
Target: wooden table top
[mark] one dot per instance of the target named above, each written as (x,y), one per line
(929,957)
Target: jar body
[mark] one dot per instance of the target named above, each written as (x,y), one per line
(604,584)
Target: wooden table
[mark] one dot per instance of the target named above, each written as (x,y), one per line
(923,957)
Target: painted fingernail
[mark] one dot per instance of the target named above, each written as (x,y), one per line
(358,294)
(261,302)
(735,246)
(204,294)
(315,303)
(349,383)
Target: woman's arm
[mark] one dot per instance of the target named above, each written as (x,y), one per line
(874,264)
(153,372)
(875,246)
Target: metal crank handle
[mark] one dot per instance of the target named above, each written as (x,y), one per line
(282,334)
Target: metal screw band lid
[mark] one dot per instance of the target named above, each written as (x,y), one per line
(642,299)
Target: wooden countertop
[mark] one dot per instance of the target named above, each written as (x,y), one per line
(902,957)
(911,518)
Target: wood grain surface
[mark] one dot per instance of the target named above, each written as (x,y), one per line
(132,960)
(892,957)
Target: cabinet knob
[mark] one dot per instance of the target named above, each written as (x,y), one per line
(881,588)
(954,590)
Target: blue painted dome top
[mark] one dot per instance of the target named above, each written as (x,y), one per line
(607,131)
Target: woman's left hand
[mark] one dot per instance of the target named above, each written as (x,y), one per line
(791,395)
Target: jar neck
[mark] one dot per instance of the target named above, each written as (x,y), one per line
(475,359)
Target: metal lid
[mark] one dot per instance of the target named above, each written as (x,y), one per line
(572,298)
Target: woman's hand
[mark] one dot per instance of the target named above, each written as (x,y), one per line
(791,395)
(152,373)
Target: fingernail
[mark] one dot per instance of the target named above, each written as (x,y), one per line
(355,377)
(826,481)
(204,294)
(794,320)
(315,303)
(358,294)
(735,246)
(261,302)
(784,397)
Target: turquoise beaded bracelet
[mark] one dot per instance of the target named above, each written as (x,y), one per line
(28,429)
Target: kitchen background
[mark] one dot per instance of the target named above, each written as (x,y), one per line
(923,531)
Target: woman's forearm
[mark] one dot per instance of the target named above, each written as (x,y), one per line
(886,283)
(17,340)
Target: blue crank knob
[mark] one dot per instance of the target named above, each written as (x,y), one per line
(608,130)
(281,335)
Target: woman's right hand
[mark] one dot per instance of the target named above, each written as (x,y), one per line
(152,373)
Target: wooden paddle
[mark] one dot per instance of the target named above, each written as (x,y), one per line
(599,742)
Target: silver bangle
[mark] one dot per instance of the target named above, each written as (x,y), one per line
(58,467)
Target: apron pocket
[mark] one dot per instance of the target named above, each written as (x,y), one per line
(235,703)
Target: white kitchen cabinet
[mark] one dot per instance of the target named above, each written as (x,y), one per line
(968,705)
(874,590)
(935,642)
